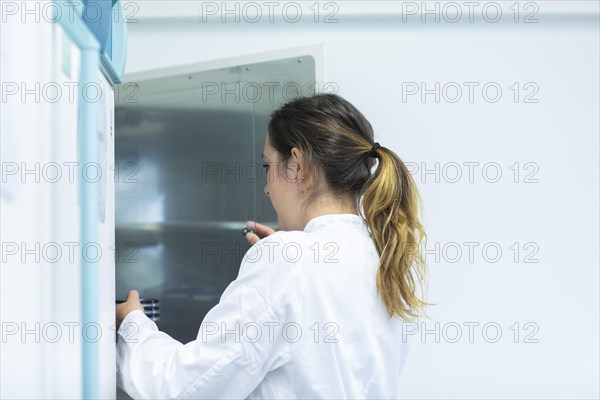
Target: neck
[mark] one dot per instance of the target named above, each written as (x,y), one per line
(330,205)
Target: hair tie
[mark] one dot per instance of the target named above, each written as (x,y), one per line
(373,152)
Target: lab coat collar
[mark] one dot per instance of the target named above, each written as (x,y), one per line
(337,221)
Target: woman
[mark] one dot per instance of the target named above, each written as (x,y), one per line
(317,308)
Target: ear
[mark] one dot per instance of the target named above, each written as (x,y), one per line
(296,163)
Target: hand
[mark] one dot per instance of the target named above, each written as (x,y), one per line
(262,231)
(132,303)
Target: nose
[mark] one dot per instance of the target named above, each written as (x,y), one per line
(266,191)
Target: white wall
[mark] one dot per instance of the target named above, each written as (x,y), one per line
(372,53)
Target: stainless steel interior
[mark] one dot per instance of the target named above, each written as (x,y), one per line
(188,175)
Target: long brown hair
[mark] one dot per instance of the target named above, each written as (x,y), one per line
(336,140)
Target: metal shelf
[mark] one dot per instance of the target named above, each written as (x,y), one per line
(151,234)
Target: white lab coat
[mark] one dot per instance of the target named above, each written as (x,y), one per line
(302,320)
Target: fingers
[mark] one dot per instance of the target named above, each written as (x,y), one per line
(258,232)
(252,238)
(261,230)
(133,295)
(132,303)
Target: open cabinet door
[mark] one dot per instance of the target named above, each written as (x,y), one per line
(26,213)
(57,211)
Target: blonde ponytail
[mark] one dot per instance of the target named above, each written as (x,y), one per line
(391,204)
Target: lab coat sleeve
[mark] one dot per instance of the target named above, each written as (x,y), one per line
(238,343)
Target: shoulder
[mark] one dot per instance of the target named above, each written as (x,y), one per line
(277,249)
(271,264)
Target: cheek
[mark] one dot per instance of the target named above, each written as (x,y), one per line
(275,177)
(271,177)
(271,181)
